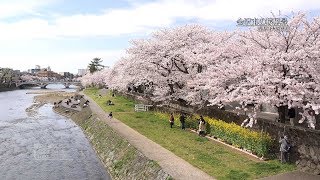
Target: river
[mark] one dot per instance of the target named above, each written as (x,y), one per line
(44,145)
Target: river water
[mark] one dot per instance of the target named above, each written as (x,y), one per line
(44,145)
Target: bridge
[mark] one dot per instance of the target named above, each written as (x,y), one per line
(44,84)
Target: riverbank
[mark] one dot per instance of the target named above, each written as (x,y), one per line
(214,158)
(120,158)
(7,89)
(45,97)
(169,162)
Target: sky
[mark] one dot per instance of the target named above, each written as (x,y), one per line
(67,34)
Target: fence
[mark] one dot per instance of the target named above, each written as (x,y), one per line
(141,107)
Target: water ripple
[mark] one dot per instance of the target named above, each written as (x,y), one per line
(44,145)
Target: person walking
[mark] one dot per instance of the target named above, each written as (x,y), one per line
(110,115)
(182,121)
(284,149)
(171,120)
(202,126)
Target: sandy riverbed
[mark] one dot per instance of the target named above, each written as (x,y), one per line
(45,97)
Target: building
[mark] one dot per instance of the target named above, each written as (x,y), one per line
(33,71)
(45,73)
(48,74)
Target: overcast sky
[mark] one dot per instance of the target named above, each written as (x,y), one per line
(67,34)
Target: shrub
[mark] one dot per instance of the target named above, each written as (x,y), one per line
(257,142)
(191,123)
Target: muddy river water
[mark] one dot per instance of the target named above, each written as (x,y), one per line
(43,145)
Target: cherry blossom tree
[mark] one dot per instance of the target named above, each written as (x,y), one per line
(28,77)
(95,79)
(119,77)
(283,70)
(170,57)
(290,66)
(86,80)
(202,67)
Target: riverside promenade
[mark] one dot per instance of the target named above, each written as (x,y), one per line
(169,162)
(295,175)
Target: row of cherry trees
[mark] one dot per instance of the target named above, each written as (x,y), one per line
(204,67)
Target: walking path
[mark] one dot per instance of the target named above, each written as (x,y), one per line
(295,175)
(170,163)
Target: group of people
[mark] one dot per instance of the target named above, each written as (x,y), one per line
(285,146)
(109,103)
(86,103)
(57,104)
(69,101)
(182,118)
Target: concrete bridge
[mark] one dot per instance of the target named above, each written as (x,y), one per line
(44,84)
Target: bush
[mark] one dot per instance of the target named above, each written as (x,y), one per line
(191,123)
(257,142)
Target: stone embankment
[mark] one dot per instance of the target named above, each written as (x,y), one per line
(305,151)
(2,89)
(121,159)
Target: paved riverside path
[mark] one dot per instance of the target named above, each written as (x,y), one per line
(169,162)
(295,175)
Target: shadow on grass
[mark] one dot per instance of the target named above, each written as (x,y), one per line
(201,139)
(236,175)
(273,166)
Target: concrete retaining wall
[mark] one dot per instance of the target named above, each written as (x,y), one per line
(306,143)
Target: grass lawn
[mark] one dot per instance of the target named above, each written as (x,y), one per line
(213,158)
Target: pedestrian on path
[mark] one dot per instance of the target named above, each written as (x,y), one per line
(182,121)
(110,115)
(171,120)
(284,149)
(202,126)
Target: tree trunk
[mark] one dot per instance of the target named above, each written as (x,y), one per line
(171,89)
(282,114)
(317,122)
